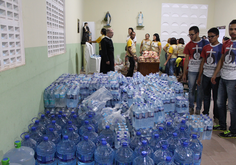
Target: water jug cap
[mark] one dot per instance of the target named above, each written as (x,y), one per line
(17,144)
(138,133)
(59,116)
(69,122)
(156,136)
(185,144)
(104,143)
(85,138)
(144,142)
(194,136)
(164,147)
(33,128)
(27,136)
(45,138)
(60,112)
(89,128)
(53,122)
(181,128)
(5,161)
(124,144)
(160,128)
(74,116)
(70,129)
(51,129)
(168,158)
(107,127)
(86,122)
(42,116)
(174,134)
(65,137)
(36,121)
(183,121)
(144,153)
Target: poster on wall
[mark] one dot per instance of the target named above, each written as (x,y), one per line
(176,19)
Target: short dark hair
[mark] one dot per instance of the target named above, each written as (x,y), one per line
(214,30)
(195,28)
(173,41)
(131,29)
(104,31)
(181,41)
(132,32)
(157,37)
(225,38)
(232,22)
(86,23)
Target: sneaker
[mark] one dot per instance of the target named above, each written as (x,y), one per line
(219,128)
(197,112)
(227,134)
(191,111)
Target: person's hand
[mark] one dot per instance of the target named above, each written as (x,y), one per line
(108,62)
(198,81)
(165,63)
(141,52)
(213,79)
(184,78)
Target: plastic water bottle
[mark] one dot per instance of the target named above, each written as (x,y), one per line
(46,153)
(6,161)
(40,126)
(201,130)
(84,127)
(100,157)
(197,147)
(183,134)
(173,142)
(209,128)
(136,140)
(93,136)
(29,142)
(36,135)
(44,120)
(124,155)
(53,136)
(85,152)
(183,154)
(73,136)
(21,154)
(144,159)
(161,112)
(161,154)
(169,129)
(144,147)
(66,150)
(67,126)
(168,161)
(60,121)
(108,135)
(162,133)
(172,101)
(76,121)
(155,142)
(55,127)
(150,115)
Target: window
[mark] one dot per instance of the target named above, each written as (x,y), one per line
(12,52)
(55,27)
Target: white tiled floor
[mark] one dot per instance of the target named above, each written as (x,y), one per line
(219,151)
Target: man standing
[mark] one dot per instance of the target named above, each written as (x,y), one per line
(192,61)
(227,86)
(86,31)
(211,55)
(107,53)
(131,51)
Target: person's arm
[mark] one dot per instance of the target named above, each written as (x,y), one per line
(165,48)
(92,41)
(185,67)
(104,52)
(200,71)
(159,47)
(130,52)
(218,68)
(168,58)
(141,47)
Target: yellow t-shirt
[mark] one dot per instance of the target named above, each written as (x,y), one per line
(181,50)
(131,44)
(155,46)
(99,41)
(146,45)
(173,50)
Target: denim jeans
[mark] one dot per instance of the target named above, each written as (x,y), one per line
(207,86)
(131,67)
(192,78)
(167,65)
(227,88)
(172,66)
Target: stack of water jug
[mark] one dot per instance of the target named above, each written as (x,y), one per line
(144,120)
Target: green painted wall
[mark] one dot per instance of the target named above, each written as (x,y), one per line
(21,89)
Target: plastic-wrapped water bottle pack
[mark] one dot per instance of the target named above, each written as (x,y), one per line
(113,119)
